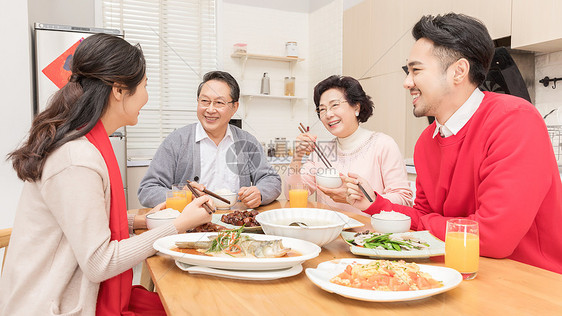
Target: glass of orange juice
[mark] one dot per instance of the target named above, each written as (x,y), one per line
(298,195)
(182,186)
(462,247)
(177,199)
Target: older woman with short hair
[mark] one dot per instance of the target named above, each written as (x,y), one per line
(341,104)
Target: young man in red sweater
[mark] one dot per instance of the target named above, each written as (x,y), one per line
(487,156)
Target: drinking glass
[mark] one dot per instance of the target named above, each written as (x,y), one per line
(298,195)
(177,199)
(462,247)
(182,186)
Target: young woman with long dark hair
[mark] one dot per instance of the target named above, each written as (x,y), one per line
(70,251)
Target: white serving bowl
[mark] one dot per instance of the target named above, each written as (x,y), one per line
(323,225)
(387,225)
(232,197)
(154,220)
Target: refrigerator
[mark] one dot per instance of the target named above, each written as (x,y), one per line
(53,50)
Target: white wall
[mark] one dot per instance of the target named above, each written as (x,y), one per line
(67,12)
(265,30)
(16,105)
(326,55)
(546,98)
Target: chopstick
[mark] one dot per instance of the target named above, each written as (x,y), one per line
(214,195)
(196,194)
(365,192)
(323,158)
(317,149)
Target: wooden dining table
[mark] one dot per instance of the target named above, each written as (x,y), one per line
(502,287)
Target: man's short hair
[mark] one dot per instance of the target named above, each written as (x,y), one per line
(458,36)
(224,77)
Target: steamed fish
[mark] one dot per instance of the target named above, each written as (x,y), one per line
(232,243)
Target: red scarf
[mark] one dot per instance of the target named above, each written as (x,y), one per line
(117,296)
(114,293)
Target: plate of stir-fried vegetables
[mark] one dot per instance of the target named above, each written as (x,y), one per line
(420,244)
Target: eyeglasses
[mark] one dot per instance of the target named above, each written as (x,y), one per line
(322,110)
(219,104)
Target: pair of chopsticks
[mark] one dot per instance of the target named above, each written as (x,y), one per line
(213,194)
(327,163)
(207,207)
(317,150)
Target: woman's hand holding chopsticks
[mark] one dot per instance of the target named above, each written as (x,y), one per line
(355,196)
(304,145)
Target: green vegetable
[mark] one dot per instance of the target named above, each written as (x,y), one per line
(384,241)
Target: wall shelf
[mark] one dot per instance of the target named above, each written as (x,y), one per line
(269,96)
(266,57)
(292,99)
(245,56)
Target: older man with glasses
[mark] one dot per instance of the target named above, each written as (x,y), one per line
(212,152)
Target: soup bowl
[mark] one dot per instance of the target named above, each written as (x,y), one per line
(318,226)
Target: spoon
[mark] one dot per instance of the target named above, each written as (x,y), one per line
(299,224)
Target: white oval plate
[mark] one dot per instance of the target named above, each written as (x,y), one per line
(307,249)
(436,247)
(242,275)
(326,270)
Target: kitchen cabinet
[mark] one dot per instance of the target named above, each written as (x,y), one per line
(536,25)
(246,59)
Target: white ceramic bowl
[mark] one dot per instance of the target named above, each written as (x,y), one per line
(154,220)
(328,181)
(384,225)
(323,225)
(328,177)
(222,205)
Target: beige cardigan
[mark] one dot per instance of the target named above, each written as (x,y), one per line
(60,248)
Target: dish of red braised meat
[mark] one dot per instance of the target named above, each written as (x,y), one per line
(239,218)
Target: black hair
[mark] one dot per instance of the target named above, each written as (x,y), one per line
(224,77)
(100,61)
(353,93)
(458,36)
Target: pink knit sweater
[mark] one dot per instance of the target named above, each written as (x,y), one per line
(377,159)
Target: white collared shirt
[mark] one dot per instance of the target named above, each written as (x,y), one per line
(459,119)
(215,174)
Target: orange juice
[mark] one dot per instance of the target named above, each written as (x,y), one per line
(462,254)
(298,197)
(181,195)
(177,200)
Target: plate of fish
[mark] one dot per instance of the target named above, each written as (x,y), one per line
(234,250)
(242,275)
(420,244)
(382,280)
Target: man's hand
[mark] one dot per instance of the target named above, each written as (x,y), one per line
(250,196)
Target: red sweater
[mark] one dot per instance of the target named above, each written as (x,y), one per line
(500,171)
